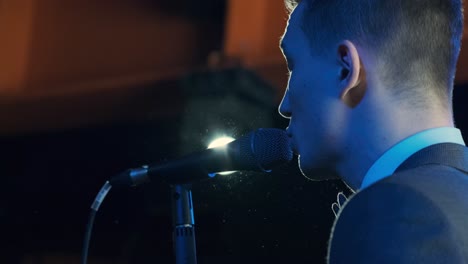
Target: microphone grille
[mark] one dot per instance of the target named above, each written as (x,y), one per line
(267,148)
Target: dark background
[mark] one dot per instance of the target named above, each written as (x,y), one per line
(50,180)
(58,148)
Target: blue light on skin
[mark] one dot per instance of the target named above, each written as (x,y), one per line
(219,142)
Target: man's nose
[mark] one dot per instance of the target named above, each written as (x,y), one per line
(284,107)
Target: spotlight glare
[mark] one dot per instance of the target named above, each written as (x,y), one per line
(219,142)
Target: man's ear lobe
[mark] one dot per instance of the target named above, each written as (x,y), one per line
(351,76)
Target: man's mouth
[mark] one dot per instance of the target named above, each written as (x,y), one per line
(293,148)
(291,141)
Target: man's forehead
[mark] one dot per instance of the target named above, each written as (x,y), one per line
(295,15)
(291,5)
(283,42)
(292,24)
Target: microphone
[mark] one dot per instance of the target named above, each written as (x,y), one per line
(260,150)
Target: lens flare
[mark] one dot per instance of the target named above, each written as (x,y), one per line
(219,142)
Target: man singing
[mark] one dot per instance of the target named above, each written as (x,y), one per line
(370,99)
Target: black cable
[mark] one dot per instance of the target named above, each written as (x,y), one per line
(89,227)
(87,237)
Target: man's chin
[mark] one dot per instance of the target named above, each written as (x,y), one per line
(318,173)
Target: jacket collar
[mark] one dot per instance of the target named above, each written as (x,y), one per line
(449,154)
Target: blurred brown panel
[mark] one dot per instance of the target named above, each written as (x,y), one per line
(16,21)
(253,31)
(32,114)
(77,42)
(67,64)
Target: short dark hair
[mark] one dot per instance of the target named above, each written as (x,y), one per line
(417,42)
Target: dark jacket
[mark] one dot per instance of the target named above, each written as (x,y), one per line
(418,215)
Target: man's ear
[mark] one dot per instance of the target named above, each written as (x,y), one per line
(351,76)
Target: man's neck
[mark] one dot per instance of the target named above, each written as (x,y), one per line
(378,134)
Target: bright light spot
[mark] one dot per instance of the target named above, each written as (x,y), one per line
(219,142)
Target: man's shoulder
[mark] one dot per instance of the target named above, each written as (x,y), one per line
(434,187)
(417,215)
(395,221)
(430,180)
(442,158)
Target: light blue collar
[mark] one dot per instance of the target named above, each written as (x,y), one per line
(386,165)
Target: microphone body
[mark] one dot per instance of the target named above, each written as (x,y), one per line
(260,150)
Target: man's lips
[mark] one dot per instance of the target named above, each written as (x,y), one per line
(293,148)
(291,141)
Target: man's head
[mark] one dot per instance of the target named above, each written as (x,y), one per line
(416,42)
(338,49)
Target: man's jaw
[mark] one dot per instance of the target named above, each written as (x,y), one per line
(291,141)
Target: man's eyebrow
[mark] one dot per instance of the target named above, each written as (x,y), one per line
(283,50)
(281,44)
(283,47)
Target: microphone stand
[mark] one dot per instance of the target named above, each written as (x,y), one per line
(183,236)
